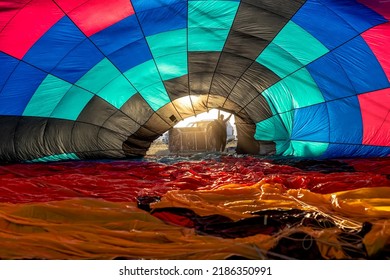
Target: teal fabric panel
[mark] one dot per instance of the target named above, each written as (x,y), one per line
(168,42)
(46,97)
(117,92)
(156,96)
(169,50)
(295,91)
(72,104)
(278,60)
(299,43)
(70,156)
(303,88)
(272,129)
(306,149)
(209,23)
(172,66)
(99,76)
(143,75)
(203,39)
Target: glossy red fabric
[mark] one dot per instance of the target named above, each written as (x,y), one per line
(127,180)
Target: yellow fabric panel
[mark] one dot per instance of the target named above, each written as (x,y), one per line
(96,229)
(237,201)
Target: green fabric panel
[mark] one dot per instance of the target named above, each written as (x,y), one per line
(156,96)
(295,91)
(58,157)
(143,75)
(99,76)
(209,23)
(278,61)
(279,98)
(202,39)
(306,149)
(299,43)
(272,129)
(304,89)
(72,104)
(211,14)
(51,90)
(278,129)
(117,92)
(168,42)
(172,66)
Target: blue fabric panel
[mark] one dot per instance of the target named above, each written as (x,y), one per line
(350,151)
(312,16)
(7,66)
(345,115)
(131,55)
(78,62)
(311,124)
(56,43)
(330,78)
(362,66)
(163,19)
(118,35)
(142,5)
(20,87)
(355,14)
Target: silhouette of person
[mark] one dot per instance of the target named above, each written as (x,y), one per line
(217,133)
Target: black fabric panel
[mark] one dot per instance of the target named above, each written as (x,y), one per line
(137,108)
(216,101)
(85,137)
(200,62)
(200,104)
(166,117)
(7,149)
(201,67)
(185,109)
(121,123)
(111,143)
(245,45)
(259,21)
(280,7)
(223,84)
(58,136)
(258,109)
(200,83)
(260,77)
(243,93)
(158,125)
(29,137)
(231,106)
(135,147)
(246,144)
(177,87)
(97,111)
(233,64)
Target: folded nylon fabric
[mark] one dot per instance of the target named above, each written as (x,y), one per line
(98,229)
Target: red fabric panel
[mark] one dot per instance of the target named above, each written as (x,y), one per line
(26,24)
(381,7)
(96,15)
(68,5)
(9,9)
(375,108)
(378,38)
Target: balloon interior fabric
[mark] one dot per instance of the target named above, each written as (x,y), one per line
(103,79)
(221,208)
